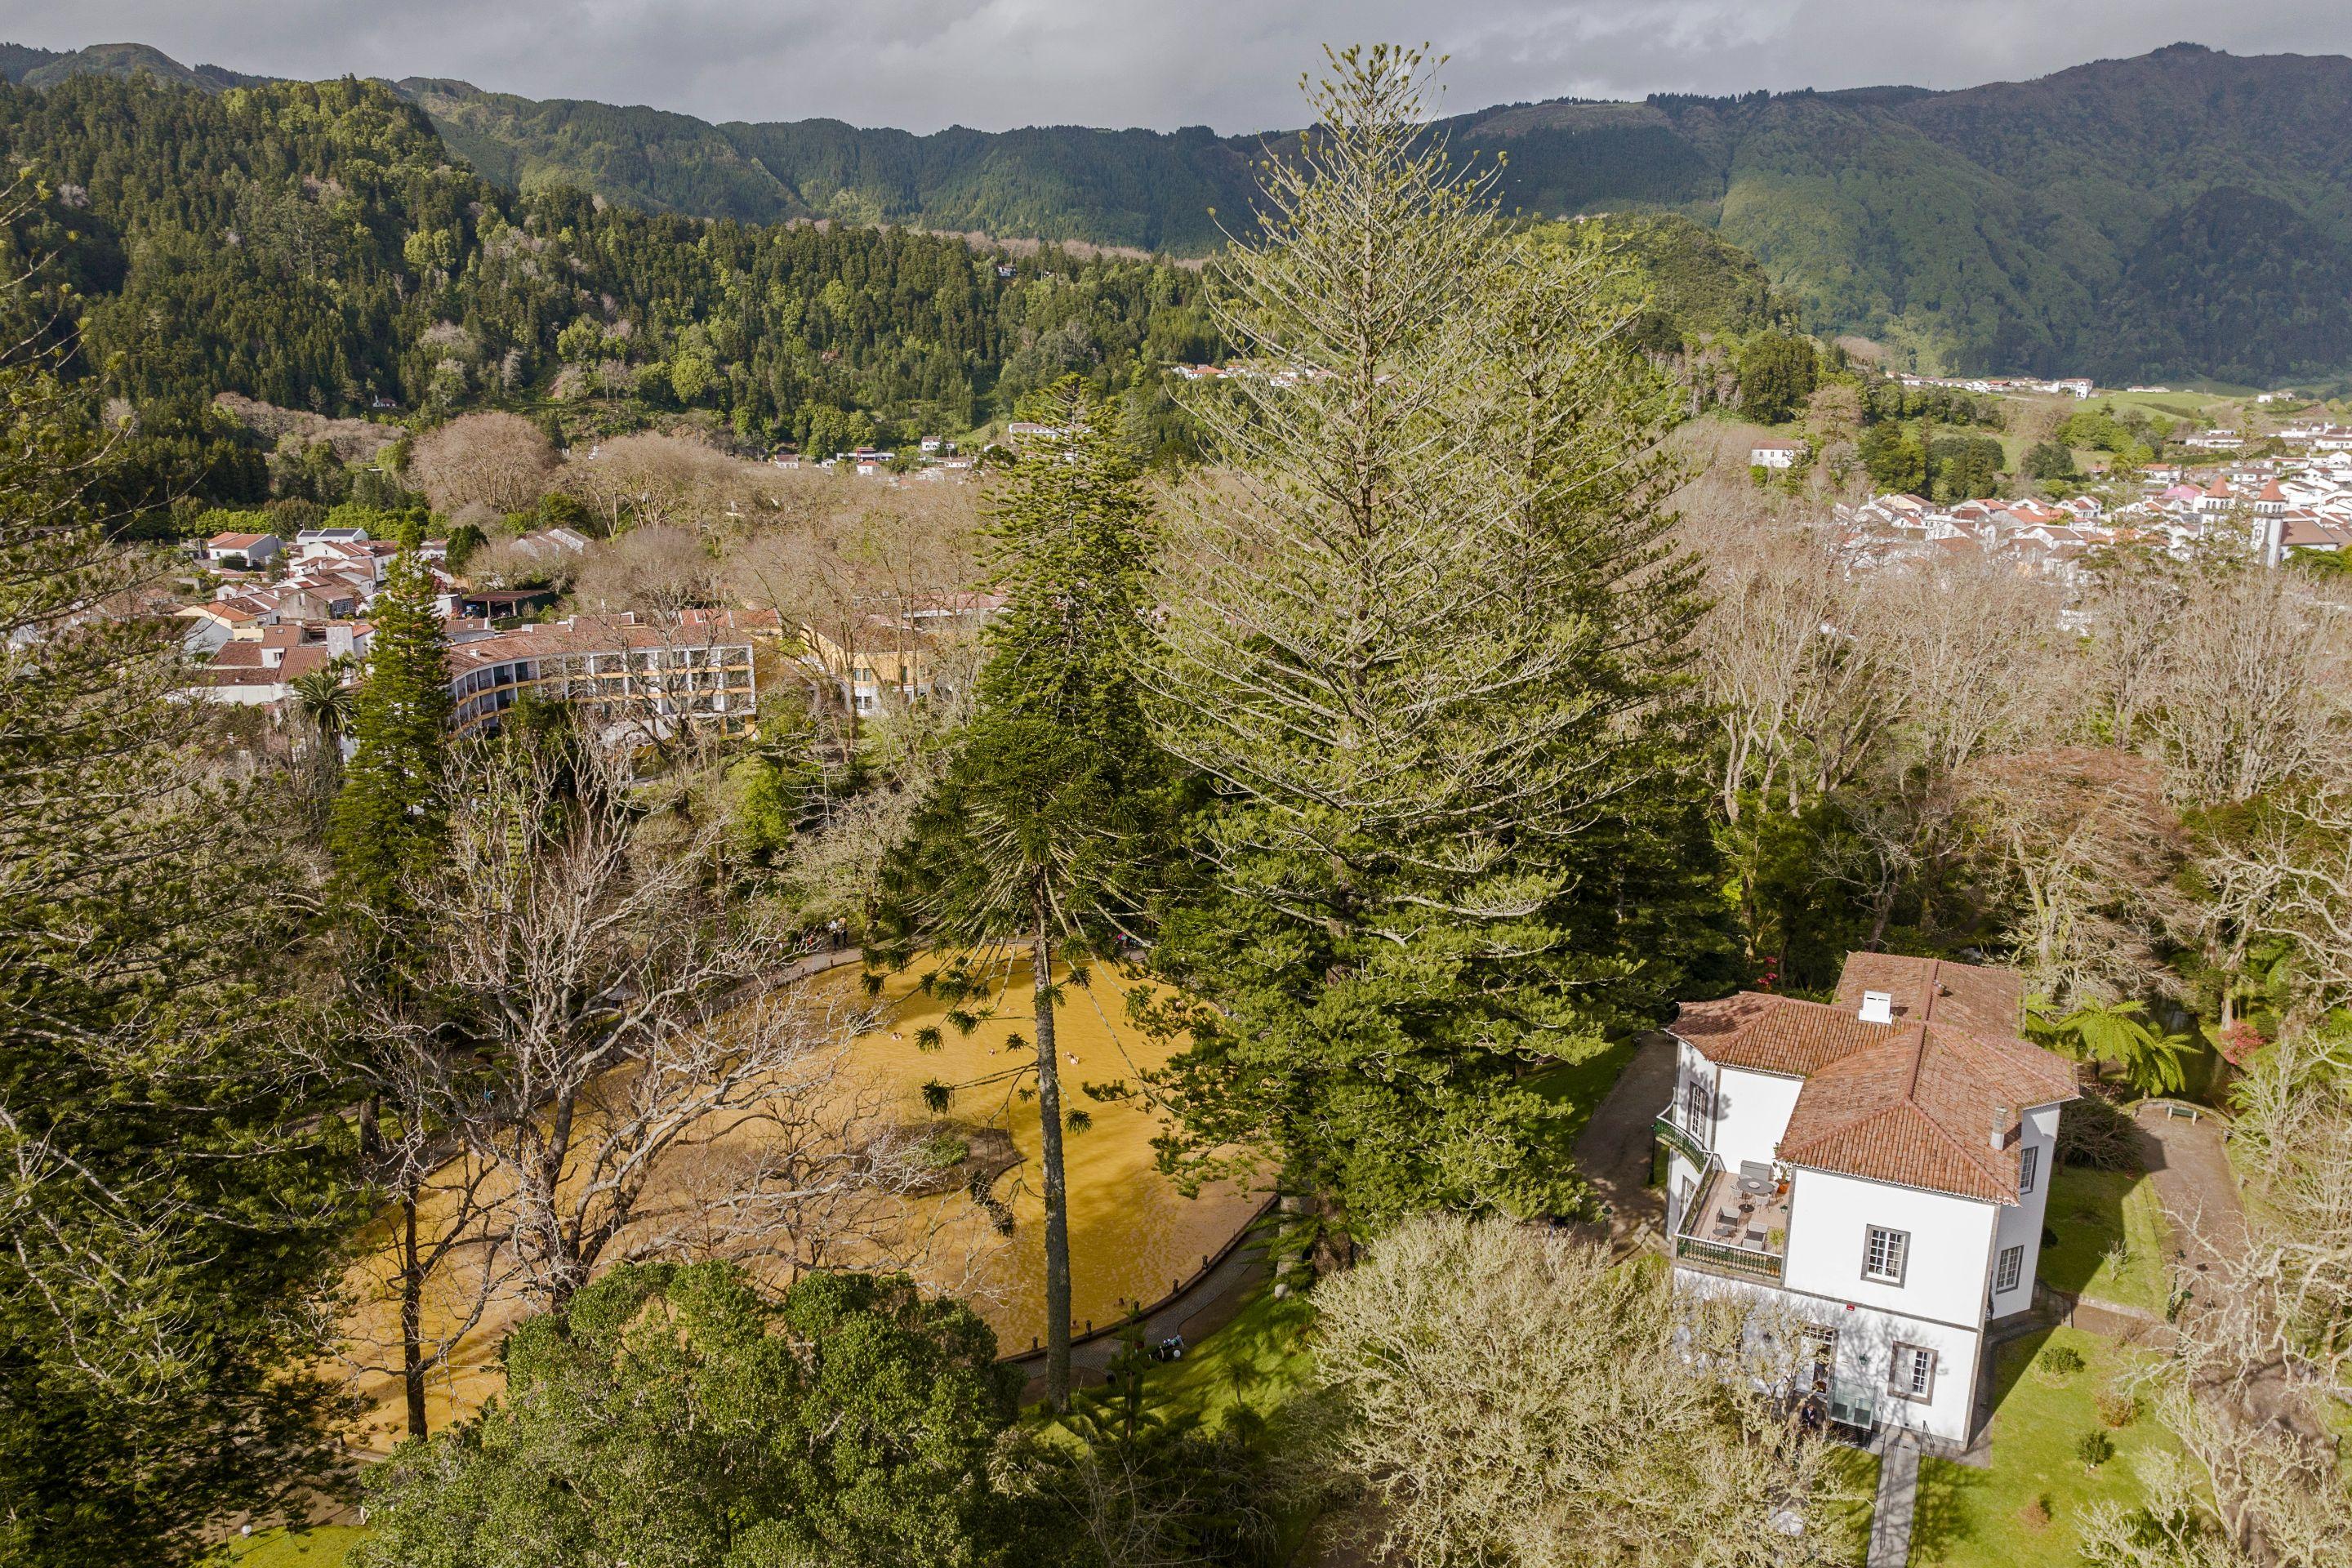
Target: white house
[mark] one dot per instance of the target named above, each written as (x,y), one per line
(256,549)
(1876,1166)
(1770,454)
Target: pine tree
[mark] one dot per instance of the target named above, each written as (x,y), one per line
(392,814)
(165,1234)
(388,827)
(1422,633)
(1036,836)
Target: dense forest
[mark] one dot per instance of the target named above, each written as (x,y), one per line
(2177,214)
(313,246)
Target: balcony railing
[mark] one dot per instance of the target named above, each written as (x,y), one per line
(1722,1257)
(1674,1136)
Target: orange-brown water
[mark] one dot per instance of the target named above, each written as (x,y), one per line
(1132,1235)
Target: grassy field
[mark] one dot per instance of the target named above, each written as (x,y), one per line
(2090,1211)
(2024,1512)
(324,1547)
(1259,1359)
(1581,1084)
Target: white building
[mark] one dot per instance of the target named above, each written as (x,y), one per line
(1775,454)
(1877,1167)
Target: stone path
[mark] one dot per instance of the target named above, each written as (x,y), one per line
(1206,1305)
(1899,1496)
(2194,1183)
(1614,1152)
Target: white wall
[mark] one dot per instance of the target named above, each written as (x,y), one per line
(2021,1223)
(1751,1111)
(1950,1252)
(1864,1365)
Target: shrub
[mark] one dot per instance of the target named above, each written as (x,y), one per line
(2118,1410)
(2057,1363)
(2096,1132)
(2095,1449)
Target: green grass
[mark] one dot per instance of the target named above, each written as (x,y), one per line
(1984,1519)
(2090,1211)
(1259,1359)
(324,1547)
(1858,1472)
(1580,1086)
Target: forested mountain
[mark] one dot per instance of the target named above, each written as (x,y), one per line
(2183,214)
(315,247)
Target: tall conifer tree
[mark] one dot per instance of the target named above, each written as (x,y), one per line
(1422,630)
(1035,838)
(170,1204)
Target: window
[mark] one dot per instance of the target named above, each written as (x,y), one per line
(2010,1269)
(1694,1104)
(2026,1161)
(1883,1254)
(1913,1373)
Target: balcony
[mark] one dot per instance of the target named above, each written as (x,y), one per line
(1681,1139)
(1728,1231)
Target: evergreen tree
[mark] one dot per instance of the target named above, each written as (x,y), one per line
(391,814)
(1778,372)
(1034,836)
(388,826)
(1422,633)
(173,1195)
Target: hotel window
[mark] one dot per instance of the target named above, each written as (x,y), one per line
(2026,1161)
(1883,1254)
(1694,1104)
(1913,1373)
(2010,1270)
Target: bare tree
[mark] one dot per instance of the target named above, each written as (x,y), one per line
(2249,692)
(642,1101)
(2084,849)
(501,460)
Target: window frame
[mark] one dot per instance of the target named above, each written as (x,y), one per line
(2029,1168)
(1903,1374)
(1898,1249)
(2010,1263)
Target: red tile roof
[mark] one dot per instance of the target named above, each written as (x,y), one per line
(1913,1101)
(1979,998)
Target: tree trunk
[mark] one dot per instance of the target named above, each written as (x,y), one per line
(412,1312)
(1057,1208)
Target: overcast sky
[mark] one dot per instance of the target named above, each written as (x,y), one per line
(1232,64)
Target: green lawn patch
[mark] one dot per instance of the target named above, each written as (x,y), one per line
(2090,1211)
(2026,1510)
(323,1547)
(1258,1359)
(1580,1086)
(1858,1472)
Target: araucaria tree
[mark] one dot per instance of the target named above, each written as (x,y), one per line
(1033,837)
(170,1195)
(1422,632)
(389,825)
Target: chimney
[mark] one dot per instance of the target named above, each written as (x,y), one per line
(2000,1126)
(1877,1007)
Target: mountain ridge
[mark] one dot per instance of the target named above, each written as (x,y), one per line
(2064,224)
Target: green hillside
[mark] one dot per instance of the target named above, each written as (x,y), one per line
(2181,215)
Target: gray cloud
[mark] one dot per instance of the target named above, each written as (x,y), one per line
(1233,64)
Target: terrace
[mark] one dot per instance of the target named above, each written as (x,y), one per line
(1737,1223)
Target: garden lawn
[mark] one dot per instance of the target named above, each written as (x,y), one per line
(324,1547)
(1258,1359)
(2090,1211)
(1580,1086)
(1996,1519)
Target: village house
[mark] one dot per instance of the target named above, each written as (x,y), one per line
(879,656)
(1876,1166)
(240,550)
(1776,454)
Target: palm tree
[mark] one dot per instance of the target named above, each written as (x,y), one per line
(2116,1034)
(325,700)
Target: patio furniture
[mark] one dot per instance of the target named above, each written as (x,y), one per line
(1756,1178)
